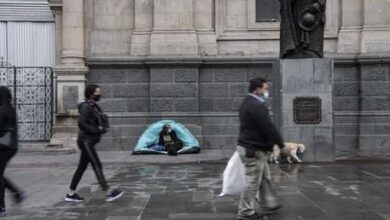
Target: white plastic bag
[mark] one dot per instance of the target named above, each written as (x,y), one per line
(233,176)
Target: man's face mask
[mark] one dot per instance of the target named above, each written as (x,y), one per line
(266,94)
(263,93)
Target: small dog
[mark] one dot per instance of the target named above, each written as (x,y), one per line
(290,150)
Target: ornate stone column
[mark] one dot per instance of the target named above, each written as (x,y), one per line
(73,33)
(70,72)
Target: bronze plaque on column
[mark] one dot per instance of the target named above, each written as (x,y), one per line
(307,110)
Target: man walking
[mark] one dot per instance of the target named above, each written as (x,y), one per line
(257,137)
(92,124)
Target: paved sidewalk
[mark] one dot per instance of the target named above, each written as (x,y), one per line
(109,157)
(188,191)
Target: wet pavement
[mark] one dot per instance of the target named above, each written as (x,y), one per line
(347,191)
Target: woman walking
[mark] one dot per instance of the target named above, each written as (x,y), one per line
(8,146)
(92,124)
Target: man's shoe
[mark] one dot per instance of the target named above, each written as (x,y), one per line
(251,217)
(114,195)
(273,208)
(19,197)
(2,212)
(73,198)
(264,212)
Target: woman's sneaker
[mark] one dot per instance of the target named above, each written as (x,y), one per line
(73,198)
(2,212)
(114,195)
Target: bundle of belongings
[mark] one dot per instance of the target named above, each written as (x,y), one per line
(167,137)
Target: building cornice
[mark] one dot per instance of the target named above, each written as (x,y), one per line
(179,60)
(265,60)
(56,6)
(25,10)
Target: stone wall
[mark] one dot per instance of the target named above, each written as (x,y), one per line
(362,108)
(205,97)
(136,51)
(226,27)
(124,89)
(188,27)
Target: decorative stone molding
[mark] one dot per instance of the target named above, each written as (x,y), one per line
(267,30)
(261,26)
(56,7)
(22,10)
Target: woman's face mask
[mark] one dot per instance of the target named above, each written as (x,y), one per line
(97,95)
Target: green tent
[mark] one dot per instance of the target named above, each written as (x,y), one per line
(150,137)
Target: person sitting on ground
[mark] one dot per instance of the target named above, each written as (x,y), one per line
(169,140)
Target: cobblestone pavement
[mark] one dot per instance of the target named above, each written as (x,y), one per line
(347,191)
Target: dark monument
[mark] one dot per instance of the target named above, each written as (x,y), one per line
(302,28)
(303,101)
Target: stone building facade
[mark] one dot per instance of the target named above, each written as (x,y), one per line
(190,60)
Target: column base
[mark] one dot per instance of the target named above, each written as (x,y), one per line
(180,42)
(70,86)
(310,120)
(140,43)
(349,40)
(207,43)
(375,40)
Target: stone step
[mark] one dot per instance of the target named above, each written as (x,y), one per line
(65,129)
(43,148)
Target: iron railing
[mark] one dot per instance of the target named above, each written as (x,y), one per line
(32,90)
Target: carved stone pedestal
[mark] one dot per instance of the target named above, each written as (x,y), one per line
(303,106)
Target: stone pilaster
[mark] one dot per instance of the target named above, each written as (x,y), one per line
(203,22)
(173,31)
(351,30)
(140,39)
(70,71)
(73,33)
(56,7)
(376,27)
